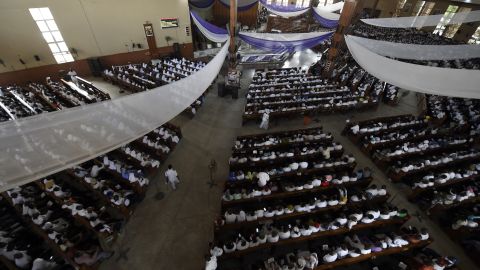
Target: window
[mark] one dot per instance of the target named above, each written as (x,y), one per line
(447,16)
(302,3)
(401,4)
(475,39)
(50,32)
(427,8)
(453,28)
(325,2)
(418,8)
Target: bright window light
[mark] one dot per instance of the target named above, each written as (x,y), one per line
(50,32)
(52,25)
(48,37)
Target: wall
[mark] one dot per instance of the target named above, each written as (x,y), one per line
(93,27)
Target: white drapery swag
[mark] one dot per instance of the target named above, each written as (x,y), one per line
(215,37)
(419,52)
(326,14)
(286,14)
(332,7)
(424,79)
(44,144)
(422,21)
(285,36)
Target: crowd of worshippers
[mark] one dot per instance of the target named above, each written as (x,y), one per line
(294,90)
(17,102)
(76,211)
(53,212)
(454,111)
(274,196)
(348,73)
(415,36)
(436,155)
(145,76)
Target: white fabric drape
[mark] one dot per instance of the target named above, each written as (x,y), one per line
(422,21)
(286,14)
(419,52)
(332,7)
(284,36)
(44,144)
(424,79)
(326,14)
(219,38)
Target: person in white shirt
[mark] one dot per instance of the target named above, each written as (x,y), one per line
(265,119)
(171,177)
(73,76)
(211,263)
(330,257)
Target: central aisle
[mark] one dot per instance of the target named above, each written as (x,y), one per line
(174,232)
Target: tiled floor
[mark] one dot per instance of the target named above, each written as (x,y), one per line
(173,233)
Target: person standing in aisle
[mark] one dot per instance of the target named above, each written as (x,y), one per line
(265,118)
(171,177)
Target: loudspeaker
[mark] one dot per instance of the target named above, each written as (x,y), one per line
(95,66)
(221,89)
(36,57)
(235,93)
(176,50)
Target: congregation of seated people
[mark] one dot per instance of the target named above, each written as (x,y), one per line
(283,211)
(435,155)
(146,76)
(293,91)
(72,218)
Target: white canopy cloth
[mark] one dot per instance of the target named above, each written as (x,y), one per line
(424,79)
(326,14)
(286,14)
(332,7)
(284,36)
(419,52)
(422,21)
(37,146)
(212,33)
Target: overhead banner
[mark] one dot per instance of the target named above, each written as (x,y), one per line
(325,18)
(419,52)
(424,79)
(210,31)
(37,146)
(285,42)
(422,21)
(284,11)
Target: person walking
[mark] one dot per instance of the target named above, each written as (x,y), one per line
(265,118)
(171,177)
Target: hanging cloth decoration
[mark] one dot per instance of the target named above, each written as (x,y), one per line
(419,52)
(422,21)
(284,42)
(210,31)
(333,7)
(37,146)
(201,3)
(419,78)
(242,5)
(325,18)
(284,11)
